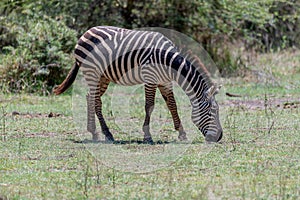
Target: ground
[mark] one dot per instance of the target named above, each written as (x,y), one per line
(47,154)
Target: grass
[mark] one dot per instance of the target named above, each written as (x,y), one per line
(46,157)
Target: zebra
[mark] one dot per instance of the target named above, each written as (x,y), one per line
(127,57)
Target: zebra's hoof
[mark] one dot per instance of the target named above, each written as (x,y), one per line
(96,138)
(182,137)
(148,141)
(109,139)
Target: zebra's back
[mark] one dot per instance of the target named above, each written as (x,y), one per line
(118,54)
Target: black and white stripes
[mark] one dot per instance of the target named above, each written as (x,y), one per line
(129,57)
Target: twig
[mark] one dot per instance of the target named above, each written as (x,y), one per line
(271,127)
(233,95)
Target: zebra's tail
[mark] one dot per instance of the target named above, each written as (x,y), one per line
(68,80)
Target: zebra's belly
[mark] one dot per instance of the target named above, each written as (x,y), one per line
(130,77)
(147,74)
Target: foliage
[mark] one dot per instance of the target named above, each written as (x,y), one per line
(283,30)
(263,25)
(39,55)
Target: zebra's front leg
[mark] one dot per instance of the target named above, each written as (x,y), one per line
(98,108)
(168,95)
(105,130)
(150,90)
(91,125)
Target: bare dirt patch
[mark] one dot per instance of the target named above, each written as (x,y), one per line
(34,115)
(258,104)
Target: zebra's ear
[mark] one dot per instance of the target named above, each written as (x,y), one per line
(213,90)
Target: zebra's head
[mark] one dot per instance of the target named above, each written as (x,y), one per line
(206,116)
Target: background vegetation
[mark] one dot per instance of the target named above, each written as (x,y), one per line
(37,37)
(45,154)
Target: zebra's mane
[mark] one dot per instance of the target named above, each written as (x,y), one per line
(200,66)
(187,48)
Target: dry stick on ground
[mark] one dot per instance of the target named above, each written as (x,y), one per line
(233,95)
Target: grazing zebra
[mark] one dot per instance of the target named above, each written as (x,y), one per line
(128,57)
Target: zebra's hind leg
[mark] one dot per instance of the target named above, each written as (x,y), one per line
(103,84)
(168,95)
(150,90)
(91,125)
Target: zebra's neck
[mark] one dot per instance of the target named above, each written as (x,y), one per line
(174,66)
(189,78)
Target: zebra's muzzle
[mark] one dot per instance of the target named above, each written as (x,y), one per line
(212,136)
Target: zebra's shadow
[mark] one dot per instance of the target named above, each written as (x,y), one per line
(126,142)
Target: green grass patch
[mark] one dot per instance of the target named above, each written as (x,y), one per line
(46,156)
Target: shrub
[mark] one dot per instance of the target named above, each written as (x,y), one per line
(40,55)
(36,42)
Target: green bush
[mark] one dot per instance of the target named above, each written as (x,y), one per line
(266,25)
(39,57)
(37,36)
